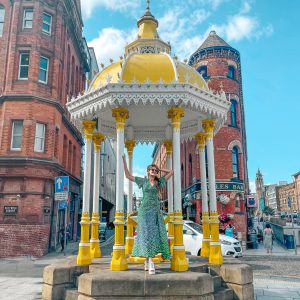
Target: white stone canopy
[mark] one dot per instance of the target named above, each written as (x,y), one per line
(148,104)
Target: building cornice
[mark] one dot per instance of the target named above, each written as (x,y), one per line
(56,104)
(21,161)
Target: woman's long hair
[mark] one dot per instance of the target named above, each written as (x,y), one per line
(155,179)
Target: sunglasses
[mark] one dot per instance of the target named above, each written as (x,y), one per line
(154,170)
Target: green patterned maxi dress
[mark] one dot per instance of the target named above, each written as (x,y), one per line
(151,236)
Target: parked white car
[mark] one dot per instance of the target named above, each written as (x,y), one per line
(192,238)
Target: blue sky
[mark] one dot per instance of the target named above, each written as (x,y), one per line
(263,31)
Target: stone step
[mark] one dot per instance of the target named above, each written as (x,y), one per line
(217,282)
(223,294)
(71,294)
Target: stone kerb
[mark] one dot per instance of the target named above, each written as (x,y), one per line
(58,277)
(238,277)
(131,284)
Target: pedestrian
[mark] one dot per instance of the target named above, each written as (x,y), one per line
(268,238)
(151,236)
(229,230)
(62,238)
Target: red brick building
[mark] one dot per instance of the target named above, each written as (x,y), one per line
(43,60)
(220,65)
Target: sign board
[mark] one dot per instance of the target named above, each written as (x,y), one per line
(251,202)
(62,196)
(62,204)
(46,210)
(62,184)
(220,187)
(10,210)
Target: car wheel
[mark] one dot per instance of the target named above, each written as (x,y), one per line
(199,252)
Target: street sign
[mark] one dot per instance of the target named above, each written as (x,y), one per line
(62,204)
(251,201)
(62,184)
(47,210)
(62,196)
(10,210)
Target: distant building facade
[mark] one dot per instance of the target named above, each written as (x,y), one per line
(286,192)
(43,62)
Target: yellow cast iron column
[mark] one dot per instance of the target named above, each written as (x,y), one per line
(178,262)
(201,139)
(169,149)
(119,262)
(129,228)
(98,138)
(215,255)
(84,255)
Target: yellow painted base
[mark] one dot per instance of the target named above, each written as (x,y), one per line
(84,256)
(95,250)
(129,246)
(119,261)
(205,249)
(179,262)
(215,256)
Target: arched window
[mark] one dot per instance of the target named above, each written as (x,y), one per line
(191,168)
(233,113)
(2,15)
(203,70)
(235,162)
(231,72)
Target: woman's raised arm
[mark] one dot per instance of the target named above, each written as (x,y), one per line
(127,173)
(169,173)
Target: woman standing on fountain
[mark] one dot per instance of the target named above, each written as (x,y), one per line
(151,231)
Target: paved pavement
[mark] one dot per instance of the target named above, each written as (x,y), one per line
(21,278)
(276,276)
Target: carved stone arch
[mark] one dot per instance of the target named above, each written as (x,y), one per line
(234,97)
(235,143)
(232,63)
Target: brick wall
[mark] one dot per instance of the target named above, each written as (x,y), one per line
(17,240)
(27,176)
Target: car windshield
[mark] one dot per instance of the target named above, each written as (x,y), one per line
(195,226)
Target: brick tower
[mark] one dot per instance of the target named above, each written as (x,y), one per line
(220,65)
(43,60)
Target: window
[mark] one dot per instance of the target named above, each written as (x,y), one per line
(43,73)
(47,23)
(203,70)
(39,143)
(233,113)
(191,168)
(27,18)
(16,135)
(2,15)
(235,162)
(231,72)
(24,65)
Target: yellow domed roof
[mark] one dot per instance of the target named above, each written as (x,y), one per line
(148,67)
(148,60)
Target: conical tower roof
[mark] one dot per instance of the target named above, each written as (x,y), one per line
(213,40)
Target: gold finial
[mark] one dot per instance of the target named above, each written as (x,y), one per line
(102,65)
(148,5)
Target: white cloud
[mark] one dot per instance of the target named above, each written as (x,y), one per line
(252,186)
(88,6)
(175,26)
(110,43)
